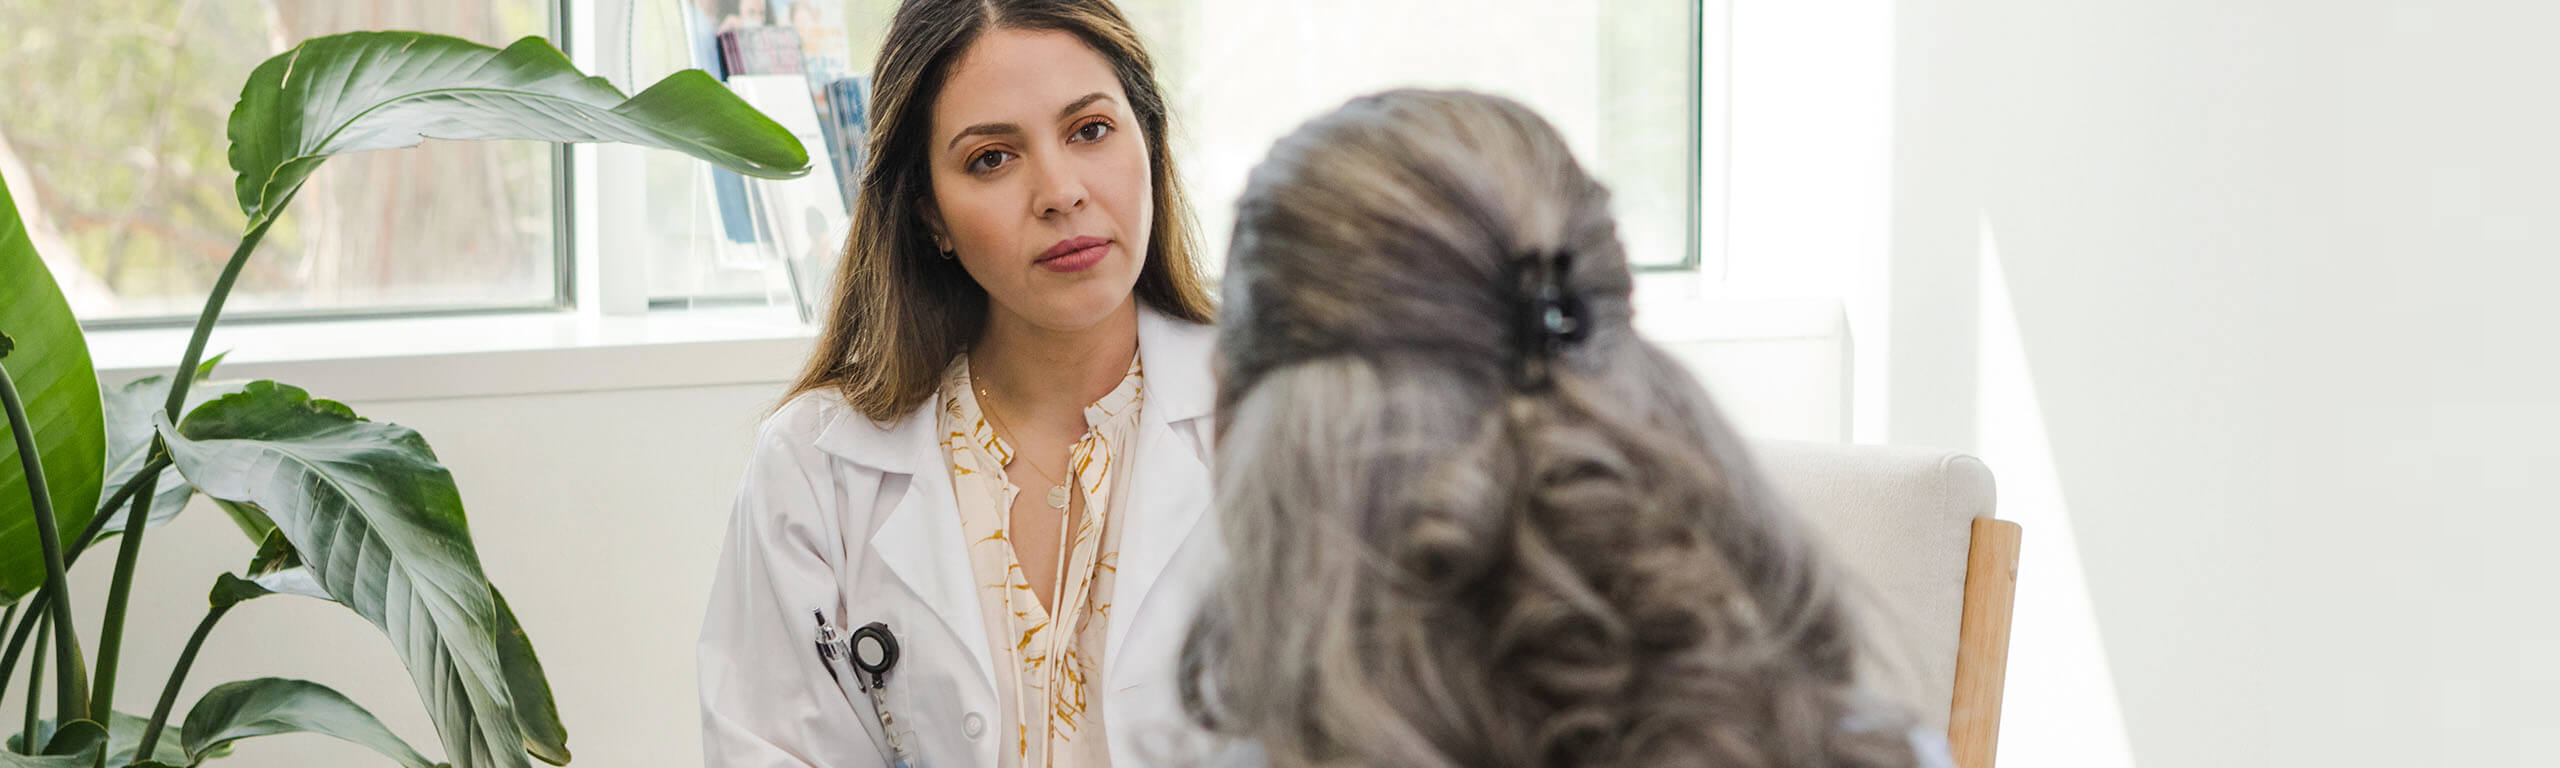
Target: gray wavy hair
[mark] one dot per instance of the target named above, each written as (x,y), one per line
(1435,567)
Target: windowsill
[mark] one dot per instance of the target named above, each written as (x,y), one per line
(1688,307)
(482,355)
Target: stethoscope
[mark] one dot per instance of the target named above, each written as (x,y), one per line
(873,651)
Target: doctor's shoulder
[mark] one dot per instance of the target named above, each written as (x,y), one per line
(794,475)
(790,433)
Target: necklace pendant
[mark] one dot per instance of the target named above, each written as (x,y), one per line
(1058,497)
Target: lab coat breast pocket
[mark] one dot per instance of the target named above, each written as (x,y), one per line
(935,692)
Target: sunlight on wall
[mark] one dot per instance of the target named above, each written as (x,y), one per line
(2059,708)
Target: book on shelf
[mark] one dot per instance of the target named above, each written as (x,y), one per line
(848,134)
(760,51)
(789,60)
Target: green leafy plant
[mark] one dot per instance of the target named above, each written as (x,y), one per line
(342,509)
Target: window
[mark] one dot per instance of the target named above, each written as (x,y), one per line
(127,188)
(1619,78)
(114,145)
(692,254)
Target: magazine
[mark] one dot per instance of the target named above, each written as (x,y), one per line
(788,59)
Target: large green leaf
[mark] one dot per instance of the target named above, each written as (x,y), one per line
(380,525)
(544,735)
(128,410)
(50,365)
(253,521)
(269,706)
(81,737)
(278,570)
(123,735)
(15,760)
(384,90)
(231,590)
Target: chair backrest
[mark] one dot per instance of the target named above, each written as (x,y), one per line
(1902,519)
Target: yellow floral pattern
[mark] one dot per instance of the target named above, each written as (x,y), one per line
(1055,724)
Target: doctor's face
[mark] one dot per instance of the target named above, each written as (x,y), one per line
(1040,178)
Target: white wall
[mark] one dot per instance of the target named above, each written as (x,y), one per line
(1808,193)
(2258,295)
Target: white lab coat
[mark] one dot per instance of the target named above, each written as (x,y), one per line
(843,516)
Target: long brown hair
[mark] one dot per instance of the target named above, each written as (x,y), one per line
(902,312)
(1433,566)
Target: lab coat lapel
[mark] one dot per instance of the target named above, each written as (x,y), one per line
(919,537)
(1169,490)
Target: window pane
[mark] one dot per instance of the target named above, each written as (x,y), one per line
(115,147)
(694,253)
(1614,76)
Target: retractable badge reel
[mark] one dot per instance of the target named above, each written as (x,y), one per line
(873,651)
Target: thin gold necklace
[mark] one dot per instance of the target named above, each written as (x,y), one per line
(1057,500)
(1057,491)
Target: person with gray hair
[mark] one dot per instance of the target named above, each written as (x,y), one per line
(1472,519)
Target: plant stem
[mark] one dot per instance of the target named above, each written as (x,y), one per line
(169,691)
(35,620)
(186,375)
(120,590)
(11,618)
(56,580)
(36,602)
(35,685)
(111,633)
(106,511)
(36,606)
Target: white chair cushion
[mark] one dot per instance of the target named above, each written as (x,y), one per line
(1902,521)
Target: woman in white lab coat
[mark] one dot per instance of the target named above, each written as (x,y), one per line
(998,452)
